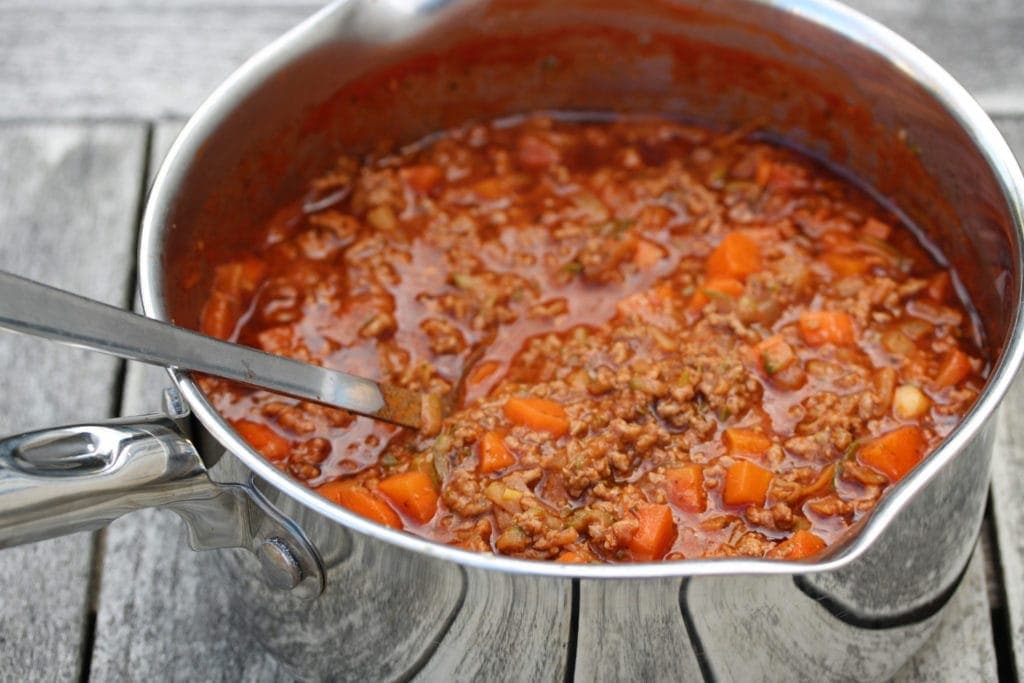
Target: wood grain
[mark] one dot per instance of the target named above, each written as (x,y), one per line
(1007,485)
(1008,480)
(960,648)
(511,628)
(67,58)
(649,607)
(68,200)
(977,42)
(163,611)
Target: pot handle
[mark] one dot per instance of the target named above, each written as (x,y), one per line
(79,478)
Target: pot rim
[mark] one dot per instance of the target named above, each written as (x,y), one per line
(827,14)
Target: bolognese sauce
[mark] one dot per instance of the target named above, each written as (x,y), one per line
(660,341)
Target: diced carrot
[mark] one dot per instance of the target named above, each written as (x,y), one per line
(219,316)
(422,178)
(538,414)
(895,453)
(844,265)
(655,534)
(492,454)
(798,546)
(939,286)
(745,441)
(264,439)
(413,492)
(569,557)
(877,229)
(736,256)
(827,327)
(774,354)
(647,254)
(746,484)
(715,287)
(686,487)
(360,501)
(954,368)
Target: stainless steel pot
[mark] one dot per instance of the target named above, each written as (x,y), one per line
(334,595)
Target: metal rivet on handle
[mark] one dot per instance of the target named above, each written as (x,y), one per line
(280,568)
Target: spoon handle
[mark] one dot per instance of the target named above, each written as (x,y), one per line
(36,309)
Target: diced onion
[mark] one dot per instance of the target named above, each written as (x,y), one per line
(909,402)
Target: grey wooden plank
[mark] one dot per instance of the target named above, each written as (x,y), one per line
(511,628)
(1008,477)
(164,613)
(1007,484)
(651,608)
(961,648)
(136,60)
(68,198)
(978,42)
(68,58)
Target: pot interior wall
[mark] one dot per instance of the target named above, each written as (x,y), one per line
(341,87)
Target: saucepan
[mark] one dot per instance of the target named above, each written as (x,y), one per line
(336,596)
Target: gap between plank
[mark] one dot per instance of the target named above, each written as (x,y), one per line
(999,615)
(116,407)
(574,633)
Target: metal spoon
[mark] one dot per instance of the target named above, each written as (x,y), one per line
(33,308)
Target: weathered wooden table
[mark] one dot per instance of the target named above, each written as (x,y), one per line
(92,93)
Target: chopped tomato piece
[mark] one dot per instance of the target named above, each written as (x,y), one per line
(736,256)
(745,441)
(716,288)
(895,453)
(844,265)
(239,277)
(827,327)
(422,178)
(264,439)
(360,501)
(686,487)
(655,534)
(413,492)
(492,455)
(954,368)
(539,414)
(798,546)
(939,286)
(746,484)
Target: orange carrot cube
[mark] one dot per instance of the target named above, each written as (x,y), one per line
(746,484)
(413,492)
